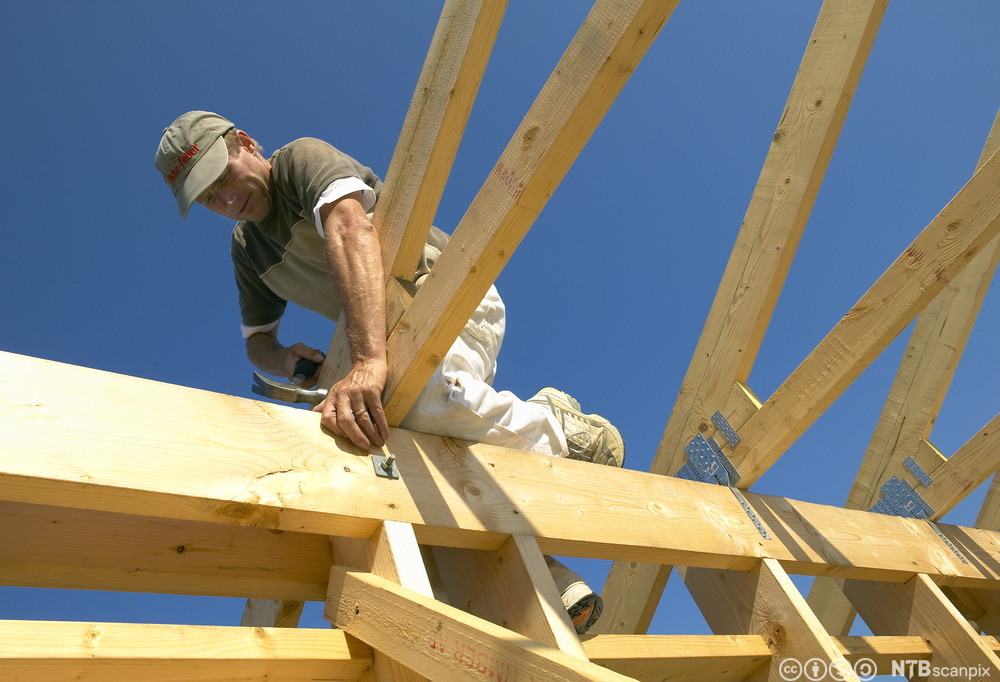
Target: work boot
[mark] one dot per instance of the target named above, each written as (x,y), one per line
(590,437)
(582,604)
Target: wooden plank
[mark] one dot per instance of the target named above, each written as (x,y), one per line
(511,587)
(724,658)
(965,470)
(76,437)
(779,208)
(720,658)
(42,651)
(594,68)
(989,513)
(278,613)
(61,547)
(420,165)
(392,553)
(918,607)
(765,602)
(917,392)
(969,222)
(440,641)
(926,370)
(980,607)
(957,476)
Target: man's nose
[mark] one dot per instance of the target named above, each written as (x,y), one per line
(226,197)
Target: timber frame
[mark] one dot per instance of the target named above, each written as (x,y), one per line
(440,574)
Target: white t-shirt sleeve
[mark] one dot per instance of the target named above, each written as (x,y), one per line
(338,189)
(250,331)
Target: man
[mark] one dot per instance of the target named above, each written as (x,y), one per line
(304,235)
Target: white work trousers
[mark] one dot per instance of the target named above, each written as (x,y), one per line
(459,401)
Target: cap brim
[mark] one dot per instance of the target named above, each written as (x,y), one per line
(206,171)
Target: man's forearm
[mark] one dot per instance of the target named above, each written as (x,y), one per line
(264,352)
(355,262)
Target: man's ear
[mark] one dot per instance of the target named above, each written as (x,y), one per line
(246,141)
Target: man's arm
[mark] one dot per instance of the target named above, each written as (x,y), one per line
(353,407)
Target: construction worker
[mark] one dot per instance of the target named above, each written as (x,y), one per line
(304,235)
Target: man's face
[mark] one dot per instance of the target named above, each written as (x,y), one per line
(243,191)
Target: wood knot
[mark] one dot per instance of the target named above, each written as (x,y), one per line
(529,137)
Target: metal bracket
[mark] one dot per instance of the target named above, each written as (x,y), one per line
(915,469)
(708,463)
(726,428)
(899,498)
(385,466)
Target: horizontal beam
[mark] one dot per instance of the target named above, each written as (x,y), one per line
(60,547)
(722,658)
(82,438)
(41,651)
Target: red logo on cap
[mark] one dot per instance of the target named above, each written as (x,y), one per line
(182,161)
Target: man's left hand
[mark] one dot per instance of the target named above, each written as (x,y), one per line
(353,406)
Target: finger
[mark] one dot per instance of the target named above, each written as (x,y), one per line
(329,418)
(348,422)
(379,421)
(364,421)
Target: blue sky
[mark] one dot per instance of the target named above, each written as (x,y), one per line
(607,294)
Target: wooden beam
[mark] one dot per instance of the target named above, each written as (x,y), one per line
(720,658)
(933,353)
(41,651)
(725,658)
(278,613)
(421,163)
(965,470)
(594,68)
(62,547)
(989,513)
(955,478)
(918,607)
(764,601)
(782,200)
(511,587)
(76,437)
(925,372)
(440,641)
(392,553)
(969,222)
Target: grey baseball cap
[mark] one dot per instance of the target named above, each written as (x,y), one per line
(192,155)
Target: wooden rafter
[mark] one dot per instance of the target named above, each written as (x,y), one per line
(594,68)
(935,347)
(779,209)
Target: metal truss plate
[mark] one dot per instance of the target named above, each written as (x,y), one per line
(899,498)
(709,464)
(726,428)
(915,469)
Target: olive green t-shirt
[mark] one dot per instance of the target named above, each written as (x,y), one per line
(282,258)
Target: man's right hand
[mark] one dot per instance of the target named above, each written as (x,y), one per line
(267,354)
(300,351)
